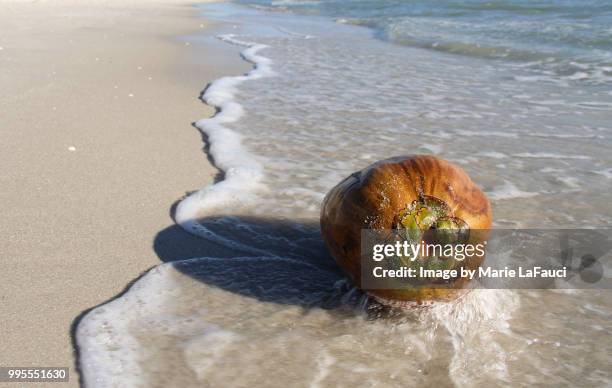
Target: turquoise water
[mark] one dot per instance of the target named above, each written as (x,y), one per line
(570,39)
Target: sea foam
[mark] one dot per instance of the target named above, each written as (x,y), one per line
(204,314)
(509,191)
(243,173)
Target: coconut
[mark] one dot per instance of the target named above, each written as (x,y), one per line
(414,195)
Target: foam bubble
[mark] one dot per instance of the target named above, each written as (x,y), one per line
(433,148)
(509,191)
(606,173)
(493,154)
(570,181)
(550,155)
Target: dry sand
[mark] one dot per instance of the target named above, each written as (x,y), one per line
(96,105)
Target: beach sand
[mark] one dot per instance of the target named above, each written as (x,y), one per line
(97,145)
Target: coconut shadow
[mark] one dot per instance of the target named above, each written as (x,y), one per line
(277,260)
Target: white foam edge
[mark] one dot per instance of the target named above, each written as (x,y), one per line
(105,328)
(108,350)
(243,172)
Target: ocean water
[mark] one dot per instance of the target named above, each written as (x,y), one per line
(517,93)
(564,39)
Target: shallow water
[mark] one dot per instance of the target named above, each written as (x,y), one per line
(561,39)
(340,100)
(326,99)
